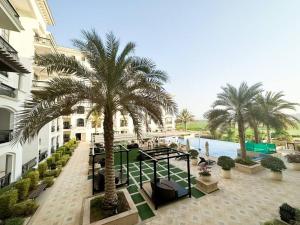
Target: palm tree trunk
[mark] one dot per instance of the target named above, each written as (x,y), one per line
(110,195)
(256,134)
(185,126)
(268,134)
(241,130)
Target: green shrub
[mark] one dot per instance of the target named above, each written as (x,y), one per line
(248,161)
(273,222)
(293,158)
(56,156)
(7,201)
(50,173)
(226,162)
(25,208)
(287,213)
(59,163)
(173,145)
(194,153)
(34,178)
(58,171)
(49,181)
(14,221)
(23,188)
(42,168)
(50,161)
(273,163)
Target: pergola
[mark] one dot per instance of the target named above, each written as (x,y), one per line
(118,149)
(159,154)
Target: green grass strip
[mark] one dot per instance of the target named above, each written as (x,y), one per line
(145,212)
(137,198)
(132,189)
(196,193)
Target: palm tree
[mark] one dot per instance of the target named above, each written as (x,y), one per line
(253,118)
(95,119)
(231,108)
(272,106)
(184,117)
(114,81)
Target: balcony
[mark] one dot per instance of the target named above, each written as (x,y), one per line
(52,128)
(27,166)
(9,60)
(67,126)
(10,19)
(43,44)
(5,180)
(5,136)
(39,84)
(7,91)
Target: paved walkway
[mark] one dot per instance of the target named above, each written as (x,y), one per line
(242,200)
(61,204)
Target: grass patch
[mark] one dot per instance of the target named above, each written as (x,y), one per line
(196,193)
(182,175)
(133,153)
(145,212)
(98,213)
(183,184)
(163,173)
(137,198)
(135,173)
(132,189)
(175,178)
(176,170)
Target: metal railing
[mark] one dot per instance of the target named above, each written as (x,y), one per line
(40,83)
(5,136)
(7,91)
(67,126)
(5,180)
(27,166)
(52,149)
(4,45)
(43,155)
(57,128)
(52,128)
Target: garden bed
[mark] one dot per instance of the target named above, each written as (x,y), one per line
(95,215)
(248,169)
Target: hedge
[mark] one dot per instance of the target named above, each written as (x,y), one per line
(49,181)
(25,208)
(34,179)
(50,161)
(42,168)
(15,221)
(23,188)
(56,156)
(7,201)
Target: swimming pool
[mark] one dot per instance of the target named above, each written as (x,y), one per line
(216,147)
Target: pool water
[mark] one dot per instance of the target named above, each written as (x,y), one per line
(216,147)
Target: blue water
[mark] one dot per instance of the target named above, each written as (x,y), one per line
(216,148)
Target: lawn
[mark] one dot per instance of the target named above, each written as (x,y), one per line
(195,125)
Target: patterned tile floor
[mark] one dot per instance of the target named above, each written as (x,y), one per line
(242,200)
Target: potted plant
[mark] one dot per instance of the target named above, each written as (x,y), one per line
(294,159)
(205,174)
(194,156)
(226,163)
(276,166)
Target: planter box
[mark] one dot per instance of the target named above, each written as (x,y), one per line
(207,186)
(248,169)
(129,217)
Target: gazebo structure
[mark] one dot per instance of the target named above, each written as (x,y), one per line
(98,157)
(163,190)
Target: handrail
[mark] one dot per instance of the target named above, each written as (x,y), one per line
(10,7)
(7,47)
(5,180)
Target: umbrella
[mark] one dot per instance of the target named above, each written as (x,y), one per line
(206,149)
(188,148)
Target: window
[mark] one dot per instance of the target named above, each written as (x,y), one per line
(123,123)
(80,122)
(80,110)
(169,120)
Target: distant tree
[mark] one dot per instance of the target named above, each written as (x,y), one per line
(184,117)
(96,118)
(272,106)
(231,108)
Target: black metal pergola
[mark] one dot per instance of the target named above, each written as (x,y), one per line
(158,154)
(118,149)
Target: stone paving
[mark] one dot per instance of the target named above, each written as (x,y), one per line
(61,204)
(242,200)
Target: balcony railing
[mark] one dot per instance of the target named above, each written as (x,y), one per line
(52,149)
(40,83)
(5,136)
(4,45)
(29,165)
(5,180)
(43,155)
(57,146)
(45,41)
(67,126)
(7,91)
(52,128)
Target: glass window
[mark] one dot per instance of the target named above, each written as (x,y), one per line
(80,110)
(123,123)
(80,122)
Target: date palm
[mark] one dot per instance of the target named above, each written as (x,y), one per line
(273,107)
(184,117)
(114,81)
(96,119)
(231,108)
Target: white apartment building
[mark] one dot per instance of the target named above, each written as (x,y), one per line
(20,23)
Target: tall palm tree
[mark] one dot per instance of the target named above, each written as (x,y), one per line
(184,117)
(253,118)
(231,108)
(114,81)
(272,106)
(95,119)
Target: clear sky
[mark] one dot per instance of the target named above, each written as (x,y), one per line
(201,44)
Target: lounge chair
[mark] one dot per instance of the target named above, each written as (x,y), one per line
(100,179)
